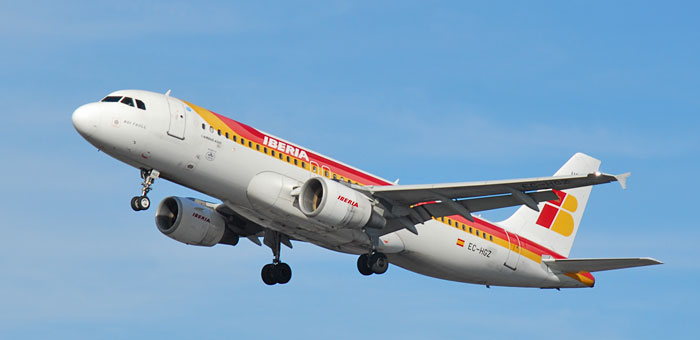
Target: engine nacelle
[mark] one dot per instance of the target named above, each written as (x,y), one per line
(186,221)
(333,203)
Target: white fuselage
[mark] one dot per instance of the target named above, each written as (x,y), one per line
(175,138)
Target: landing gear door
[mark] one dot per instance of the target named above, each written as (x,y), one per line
(514,251)
(178,117)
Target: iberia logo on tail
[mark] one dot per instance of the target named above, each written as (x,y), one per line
(557,214)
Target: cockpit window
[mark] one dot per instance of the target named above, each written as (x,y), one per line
(128,101)
(125,100)
(111,99)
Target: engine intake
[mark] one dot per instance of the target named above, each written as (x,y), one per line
(186,221)
(333,203)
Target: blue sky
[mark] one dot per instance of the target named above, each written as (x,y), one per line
(424,92)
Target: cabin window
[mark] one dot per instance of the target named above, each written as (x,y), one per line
(250,144)
(296,161)
(257,147)
(477,233)
(128,101)
(490,237)
(242,141)
(235,138)
(140,104)
(464,227)
(273,153)
(470,230)
(303,165)
(226,135)
(281,155)
(325,173)
(204,126)
(265,150)
(449,222)
(288,160)
(219,131)
(111,99)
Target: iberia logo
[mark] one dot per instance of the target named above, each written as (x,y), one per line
(557,214)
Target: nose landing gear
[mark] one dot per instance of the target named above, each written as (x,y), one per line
(142,202)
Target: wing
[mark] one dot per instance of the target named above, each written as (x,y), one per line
(596,265)
(411,204)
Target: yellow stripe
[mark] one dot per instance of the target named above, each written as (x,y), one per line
(496,240)
(583,279)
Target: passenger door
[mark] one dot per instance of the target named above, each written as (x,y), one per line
(178,118)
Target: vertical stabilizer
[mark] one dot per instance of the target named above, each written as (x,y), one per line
(557,222)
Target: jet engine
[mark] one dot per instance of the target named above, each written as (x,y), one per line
(189,222)
(336,204)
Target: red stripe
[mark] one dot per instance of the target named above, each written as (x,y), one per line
(337,168)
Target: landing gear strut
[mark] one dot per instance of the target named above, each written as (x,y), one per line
(143,202)
(277,271)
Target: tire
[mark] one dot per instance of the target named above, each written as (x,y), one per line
(135,203)
(363,265)
(144,202)
(267,274)
(379,263)
(284,273)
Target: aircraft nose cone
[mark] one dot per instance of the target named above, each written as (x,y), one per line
(85,120)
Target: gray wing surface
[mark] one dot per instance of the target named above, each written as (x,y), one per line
(412,204)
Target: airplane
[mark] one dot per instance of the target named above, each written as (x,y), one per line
(273,189)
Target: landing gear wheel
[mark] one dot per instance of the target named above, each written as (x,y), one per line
(284,273)
(139,203)
(276,273)
(363,265)
(267,274)
(378,263)
(144,203)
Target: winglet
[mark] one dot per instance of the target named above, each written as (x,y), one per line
(167,94)
(623,179)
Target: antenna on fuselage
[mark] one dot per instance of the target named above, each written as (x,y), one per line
(167,94)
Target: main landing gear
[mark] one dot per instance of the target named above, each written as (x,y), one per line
(372,263)
(277,271)
(143,202)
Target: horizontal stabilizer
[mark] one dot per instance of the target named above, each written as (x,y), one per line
(596,265)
